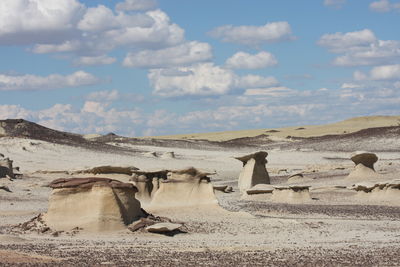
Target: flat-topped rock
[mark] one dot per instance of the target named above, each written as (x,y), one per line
(254,171)
(163,227)
(88,183)
(260,189)
(92,204)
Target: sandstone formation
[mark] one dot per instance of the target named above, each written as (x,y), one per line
(260,189)
(92,204)
(163,227)
(147,183)
(381,191)
(254,171)
(364,168)
(110,170)
(291,193)
(187,187)
(6,168)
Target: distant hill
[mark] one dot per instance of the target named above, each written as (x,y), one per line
(342,127)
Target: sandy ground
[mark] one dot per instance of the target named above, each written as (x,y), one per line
(336,227)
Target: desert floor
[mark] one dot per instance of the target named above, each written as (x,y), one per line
(338,226)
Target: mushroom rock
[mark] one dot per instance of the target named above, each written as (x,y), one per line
(291,193)
(110,170)
(187,187)
(147,183)
(93,204)
(168,155)
(254,171)
(6,168)
(364,166)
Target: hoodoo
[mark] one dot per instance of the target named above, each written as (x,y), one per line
(93,204)
(364,166)
(254,171)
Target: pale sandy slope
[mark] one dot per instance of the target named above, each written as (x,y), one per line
(346,126)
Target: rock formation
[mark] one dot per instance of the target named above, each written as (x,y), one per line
(147,183)
(260,189)
(93,204)
(291,193)
(254,171)
(110,170)
(168,155)
(187,187)
(364,166)
(381,191)
(6,168)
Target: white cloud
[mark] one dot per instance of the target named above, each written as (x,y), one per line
(350,86)
(242,60)
(103,96)
(181,55)
(134,5)
(279,91)
(254,35)
(97,60)
(203,79)
(53,81)
(68,26)
(30,21)
(383,6)
(255,81)
(341,42)
(334,3)
(387,72)
(360,48)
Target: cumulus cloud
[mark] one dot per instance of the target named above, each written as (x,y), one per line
(387,72)
(254,35)
(203,80)
(135,5)
(360,48)
(90,33)
(30,21)
(243,60)
(181,55)
(96,60)
(383,6)
(334,3)
(103,96)
(53,81)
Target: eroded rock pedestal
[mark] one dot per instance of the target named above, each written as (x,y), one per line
(364,168)
(93,204)
(254,171)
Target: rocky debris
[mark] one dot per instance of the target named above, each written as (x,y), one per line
(254,171)
(110,170)
(223,188)
(168,155)
(92,204)
(5,188)
(260,189)
(163,227)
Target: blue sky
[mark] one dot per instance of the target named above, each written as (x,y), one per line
(154,67)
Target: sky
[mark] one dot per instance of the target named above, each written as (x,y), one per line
(158,67)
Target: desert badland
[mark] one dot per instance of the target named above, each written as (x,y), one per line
(300,196)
